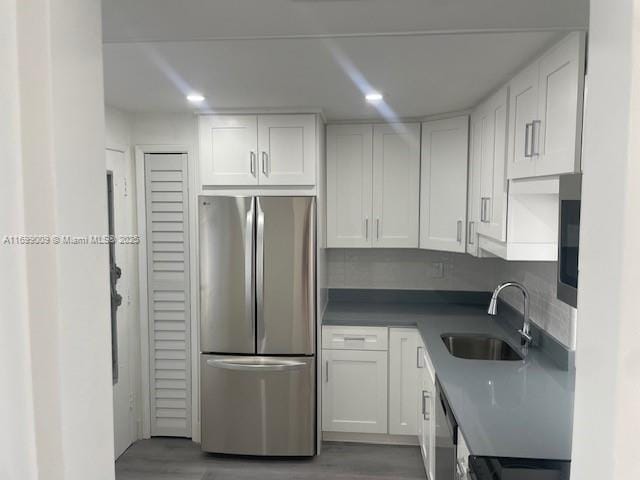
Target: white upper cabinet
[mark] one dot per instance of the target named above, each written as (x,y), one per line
(473,184)
(444,184)
(493,179)
(349,184)
(523,101)
(237,150)
(287,149)
(558,134)
(546,112)
(373,182)
(228,150)
(396,185)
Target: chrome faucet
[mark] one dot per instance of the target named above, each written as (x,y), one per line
(525,331)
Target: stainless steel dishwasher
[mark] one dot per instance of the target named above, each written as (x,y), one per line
(446,437)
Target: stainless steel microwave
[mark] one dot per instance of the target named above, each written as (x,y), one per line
(569,238)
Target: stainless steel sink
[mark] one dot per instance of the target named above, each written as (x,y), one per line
(479,347)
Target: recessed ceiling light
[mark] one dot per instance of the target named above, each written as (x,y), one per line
(373,97)
(195,98)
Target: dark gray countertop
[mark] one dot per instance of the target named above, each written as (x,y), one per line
(506,409)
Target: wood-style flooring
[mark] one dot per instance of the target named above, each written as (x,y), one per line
(181,459)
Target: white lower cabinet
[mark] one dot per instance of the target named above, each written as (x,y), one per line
(405,366)
(354,391)
(426,416)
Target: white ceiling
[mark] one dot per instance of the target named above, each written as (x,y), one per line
(157,51)
(126,20)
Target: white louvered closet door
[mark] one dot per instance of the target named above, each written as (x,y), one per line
(167,238)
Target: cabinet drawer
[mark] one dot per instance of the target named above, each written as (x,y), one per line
(354,338)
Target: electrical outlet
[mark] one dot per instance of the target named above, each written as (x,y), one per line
(437,270)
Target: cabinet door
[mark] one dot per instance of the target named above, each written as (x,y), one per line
(523,104)
(443,197)
(428,425)
(396,185)
(473,195)
(405,367)
(228,149)
(493,199)
(287,149)
(557,134)
(354,394)
(349,183)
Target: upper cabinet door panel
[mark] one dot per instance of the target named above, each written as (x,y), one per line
(349,180)
(396,185)
(494,194)
(558,133)
(228,149)
(473,195)
(287,149)
(523,103)
(444,184)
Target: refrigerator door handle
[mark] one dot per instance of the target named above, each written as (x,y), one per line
(250,272)
(255,364)
(260,272)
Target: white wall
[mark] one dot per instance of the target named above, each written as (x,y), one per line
(17,435)
(61,329)
(607,417)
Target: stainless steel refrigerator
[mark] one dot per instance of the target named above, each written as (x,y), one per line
(257,324)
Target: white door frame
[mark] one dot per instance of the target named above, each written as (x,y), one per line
(125,150)
(140,151)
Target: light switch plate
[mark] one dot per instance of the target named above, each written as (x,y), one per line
(437,270)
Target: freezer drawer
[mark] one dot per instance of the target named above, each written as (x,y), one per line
(258,405)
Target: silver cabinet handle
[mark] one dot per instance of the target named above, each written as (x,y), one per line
(487,209)
(252,162)
(426,395)
(366,228)
(265,163)
(377,229)
(354,339)
(470,233)
(419,362)
(535,137)
(326,371)
(527,144)
(459,231)
(483,214)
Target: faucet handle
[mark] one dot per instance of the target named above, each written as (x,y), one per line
(526,338)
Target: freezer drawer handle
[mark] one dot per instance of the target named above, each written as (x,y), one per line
(252,366)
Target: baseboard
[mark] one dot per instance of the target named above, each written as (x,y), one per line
(377,438)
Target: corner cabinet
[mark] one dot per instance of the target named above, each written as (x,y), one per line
(443,193)
(373,185)
(546,112)
(238,150)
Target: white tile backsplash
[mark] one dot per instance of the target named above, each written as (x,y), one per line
(413,269)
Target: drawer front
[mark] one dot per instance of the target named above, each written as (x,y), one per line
(355,338)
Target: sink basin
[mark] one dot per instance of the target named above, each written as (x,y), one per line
(479,347)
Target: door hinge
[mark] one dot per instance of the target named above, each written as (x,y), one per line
(126,191)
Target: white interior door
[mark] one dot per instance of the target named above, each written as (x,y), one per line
(167,240)
(396,185)
(123,396)
(349,181)
(443,203)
